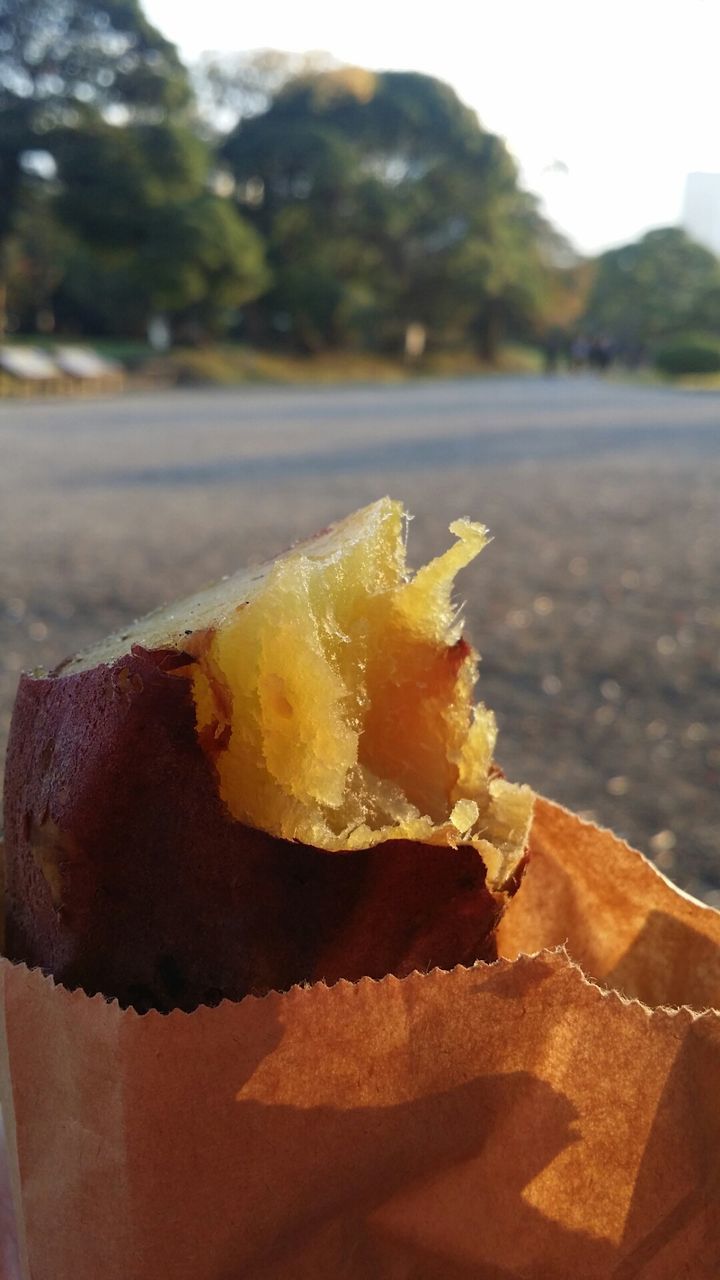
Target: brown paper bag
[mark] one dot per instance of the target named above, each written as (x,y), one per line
(511,1120)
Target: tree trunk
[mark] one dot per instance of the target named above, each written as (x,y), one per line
(491,331)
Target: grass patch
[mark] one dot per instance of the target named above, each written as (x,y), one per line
(698,382)
(234,365)
(230,365)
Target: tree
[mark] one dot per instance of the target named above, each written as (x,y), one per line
(656,287)
(137,201)
(385,203)
(202,263)
(37,259)
(235,86)
(65,62)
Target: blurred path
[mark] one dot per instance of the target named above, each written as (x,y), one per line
(597,608)
(287,430)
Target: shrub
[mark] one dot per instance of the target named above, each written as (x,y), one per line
(691,353)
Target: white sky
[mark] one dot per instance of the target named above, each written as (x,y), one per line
(624,92)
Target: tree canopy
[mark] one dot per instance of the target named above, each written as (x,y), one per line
(98,136)
(384,203)
(658,286)
(63,62)
(288,199)
(138,205)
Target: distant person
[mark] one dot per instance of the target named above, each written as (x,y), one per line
(579,352)
(600,354)
(552,351)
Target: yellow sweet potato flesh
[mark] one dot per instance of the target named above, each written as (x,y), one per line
(335,700)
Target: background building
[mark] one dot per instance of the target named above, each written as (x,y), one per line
(701,209)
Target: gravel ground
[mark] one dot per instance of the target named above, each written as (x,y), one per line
(596,608)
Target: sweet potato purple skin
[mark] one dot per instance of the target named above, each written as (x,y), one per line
(126,875)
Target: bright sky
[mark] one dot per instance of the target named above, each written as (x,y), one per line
(624,92)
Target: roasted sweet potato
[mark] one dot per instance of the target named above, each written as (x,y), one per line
(281,779)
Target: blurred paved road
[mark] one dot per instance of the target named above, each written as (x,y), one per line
(597,608)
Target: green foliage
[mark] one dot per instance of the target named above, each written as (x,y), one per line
(385,203)
(63,57)
(143,233)
(148,229)
(64,63)
(661,285)
(689,353)
(112,179)
(36,261)
(200,262)
(343,207)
